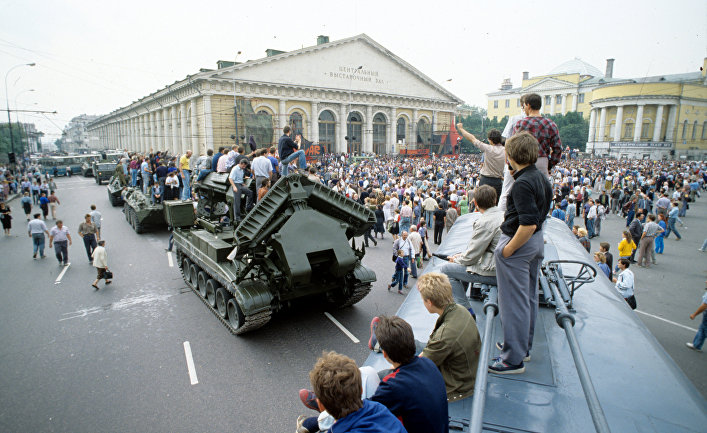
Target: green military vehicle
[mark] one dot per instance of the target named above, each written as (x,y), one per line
(139,211)
(296,242)
(116,184)
(103,171)
(87,168)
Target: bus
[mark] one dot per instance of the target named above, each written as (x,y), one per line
(57,165)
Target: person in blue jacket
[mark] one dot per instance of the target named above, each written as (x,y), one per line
(336,381)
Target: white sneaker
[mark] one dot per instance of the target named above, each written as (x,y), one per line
(691,346)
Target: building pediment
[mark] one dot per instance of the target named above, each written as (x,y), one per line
(549,84)
(335,65)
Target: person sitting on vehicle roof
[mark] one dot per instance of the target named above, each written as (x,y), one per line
(413,390)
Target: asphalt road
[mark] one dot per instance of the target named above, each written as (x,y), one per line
(77,360)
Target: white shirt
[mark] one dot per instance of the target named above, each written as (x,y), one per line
(262,167)
(36,226)
(624,283)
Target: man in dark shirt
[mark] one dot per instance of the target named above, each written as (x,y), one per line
(519,253)
(288,151)
(217,155)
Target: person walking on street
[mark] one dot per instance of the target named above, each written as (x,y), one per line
(36,230)
(26,204)
(61,238)
(44,205)
(53,202)
(699,339)
(100,262)
(672,219)
(96,220)
(88,232)
(6,217)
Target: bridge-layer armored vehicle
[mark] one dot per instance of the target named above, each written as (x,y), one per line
(139,211)
(296,242)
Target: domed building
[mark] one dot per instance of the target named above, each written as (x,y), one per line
(657,117)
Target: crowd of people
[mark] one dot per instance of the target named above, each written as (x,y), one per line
(520,179)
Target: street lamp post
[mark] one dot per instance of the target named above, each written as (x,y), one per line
(19,126)
(7,102)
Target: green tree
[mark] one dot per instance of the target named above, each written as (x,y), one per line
(574,130)
(18,138)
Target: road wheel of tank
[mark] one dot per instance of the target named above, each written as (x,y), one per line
(139,228)
(211,288)
(222,297)
(201,279)
(132,217)
(194,275)
(235,315)
(186,265)
(112,199)
(126,211)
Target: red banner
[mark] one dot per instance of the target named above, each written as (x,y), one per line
(415,152)
(313,151)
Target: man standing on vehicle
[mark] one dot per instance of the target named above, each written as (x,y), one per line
(288,151)
(185,173)
(238,183)
(519,252)
(262,168)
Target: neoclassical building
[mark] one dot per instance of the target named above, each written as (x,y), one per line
(350,95)
(658,117)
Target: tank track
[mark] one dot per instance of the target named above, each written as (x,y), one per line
(360,291)
(252,322)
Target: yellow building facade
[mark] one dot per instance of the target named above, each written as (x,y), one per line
(350,95)
(660,117)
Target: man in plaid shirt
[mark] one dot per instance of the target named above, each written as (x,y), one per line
(543,129)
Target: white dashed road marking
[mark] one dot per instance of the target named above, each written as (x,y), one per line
(666,320)
(190,364)
(343,329)
(61,275)
(169,259)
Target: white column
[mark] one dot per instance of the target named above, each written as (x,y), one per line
(575,101)
(658,123)
(343,144)
(208,122)
(393,124)
(143,132)
(368,134)
(552,104)
(153,130)
(639,124)
(195,144)
(282,114)
(183,117)
(564,103)
(619,122)
(413,139)
(314,133)
(670,127)
(175,131)
(133,133)
(165,129)
(592,125)
(602,125)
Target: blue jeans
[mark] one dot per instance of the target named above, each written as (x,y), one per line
(590,227)
(38,243)
(404,225)
(410,263)
(701,333)
(428,217)
(133,177)
(570,222)
(186,191)
(145,182)
(659,244)
(629,217)
(203,173)
(301,161)
(671,227)
(398,279)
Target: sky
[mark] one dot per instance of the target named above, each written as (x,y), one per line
(93,57)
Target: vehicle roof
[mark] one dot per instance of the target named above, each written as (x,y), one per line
(639,386)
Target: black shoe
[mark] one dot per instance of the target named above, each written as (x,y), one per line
(34,256)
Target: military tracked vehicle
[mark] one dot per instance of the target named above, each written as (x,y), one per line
(87,169)
(139,211)
(116,184)
(296,242)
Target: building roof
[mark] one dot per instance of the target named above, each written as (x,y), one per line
(576,66)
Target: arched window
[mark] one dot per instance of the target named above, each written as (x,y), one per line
(424,132)
(261,128)
(612,129)
(400,130)
(379,134)
(628,130)
(694,130)
(354,126)
(296,123)
(327,131)
(684,129)
(646,129)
